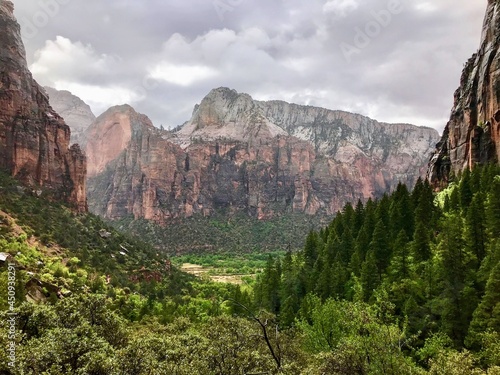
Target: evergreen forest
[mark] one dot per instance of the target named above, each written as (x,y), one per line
(406,284)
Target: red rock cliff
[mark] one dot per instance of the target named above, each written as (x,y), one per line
(233,156)
(34,140)
(472,136)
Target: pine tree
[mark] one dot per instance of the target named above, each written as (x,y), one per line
(454,199)
(348,216)
(370,279)
(324,284)
(458,299)
(339,279)
(358,219)
(380,247)
(356,263)
(382,211)
(421,243)
(475,228)
(401,212)
(267,292)
(346,247)
(362,244)
(400,263)
(487,315)
(493,209)
(311,249)
(465,190)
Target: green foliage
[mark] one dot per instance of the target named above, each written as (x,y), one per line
(356,338)
(239,233)
(405,285)
(435,258)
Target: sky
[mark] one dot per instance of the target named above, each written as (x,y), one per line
(391,60)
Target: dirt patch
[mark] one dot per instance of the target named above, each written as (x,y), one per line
(197,270)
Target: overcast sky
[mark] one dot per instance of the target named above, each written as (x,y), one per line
(392,60)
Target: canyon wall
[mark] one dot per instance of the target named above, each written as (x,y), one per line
(237,154)
(472,135)
(34,139)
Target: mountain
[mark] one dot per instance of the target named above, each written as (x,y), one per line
(240,155)
(76,113)
(34,140)
(472,135)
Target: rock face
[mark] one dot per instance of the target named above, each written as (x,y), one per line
(34,140)
(75,112)
(472,136)
(237,154)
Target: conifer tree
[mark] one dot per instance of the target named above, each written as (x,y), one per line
(400,262)
(487,315)
(475,228)
(370,279)
(493,209)
(457,299)
(311,249)
(465,190)
(380,246)
(358,219)
(421,243)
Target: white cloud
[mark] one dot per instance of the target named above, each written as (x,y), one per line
(63,59)
(340,8)
(286,50)
(78,68)
(182,75)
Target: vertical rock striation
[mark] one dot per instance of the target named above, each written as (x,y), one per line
(472,135)
(34,140)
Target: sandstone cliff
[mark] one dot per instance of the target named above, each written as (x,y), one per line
(34,140)
(237,154)
(75,112)
(472,136)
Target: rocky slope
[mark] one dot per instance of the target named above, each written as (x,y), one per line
(75,112)
(34,140)
(472,136)
(237,154)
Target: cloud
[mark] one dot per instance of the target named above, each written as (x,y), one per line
(182,75)
(163,56)
(340,8)
(62,59)
(79,68)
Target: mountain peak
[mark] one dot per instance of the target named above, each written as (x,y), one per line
(225,113)
(77,114)
(111,133)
